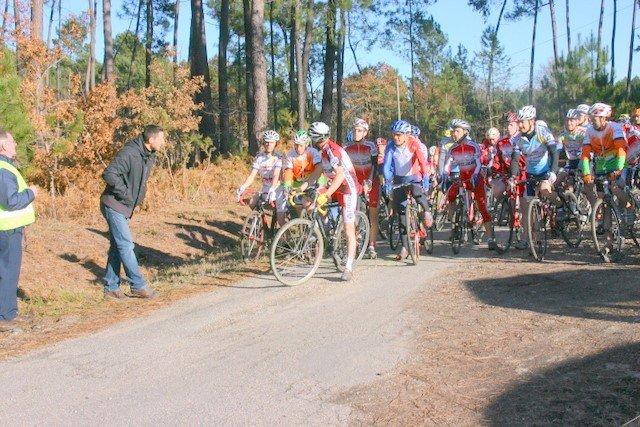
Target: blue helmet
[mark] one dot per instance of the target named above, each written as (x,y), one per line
(401,126)
(415,130)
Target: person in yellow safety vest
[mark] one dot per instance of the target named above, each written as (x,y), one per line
(16,212)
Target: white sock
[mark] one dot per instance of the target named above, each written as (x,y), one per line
(349,264)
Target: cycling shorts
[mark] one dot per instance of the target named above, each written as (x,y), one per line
(349,205)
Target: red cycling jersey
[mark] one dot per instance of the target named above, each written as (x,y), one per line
(502,159)
(333,157)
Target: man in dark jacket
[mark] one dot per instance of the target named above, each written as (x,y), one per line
(16,212)
(126,178)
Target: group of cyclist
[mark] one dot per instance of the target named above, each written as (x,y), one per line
(525,159)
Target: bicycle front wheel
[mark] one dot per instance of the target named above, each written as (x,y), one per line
(457,227)
(606,231)
(504,215)
(571,228)
(393,232)
(412,227)
(252,237)
(339,250)
(538,229)
(296,251)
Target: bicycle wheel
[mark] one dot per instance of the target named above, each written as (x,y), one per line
(504,215)
(339,250)
(457,227)
(439,213)
(252,237)
(571,229)
(296,251)
(412,227)
(427,240)
(606,231)
(394,232)
(383,220)
(634,228)
(538,229)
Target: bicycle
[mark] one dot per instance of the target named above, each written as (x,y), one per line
(606,223)
(257,230)
(299,246)
(632,189)
(465,219)
(415,234)
(505,214)
(438,201)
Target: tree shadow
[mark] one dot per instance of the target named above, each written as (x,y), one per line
(89,265)
(206,239)
(603,389)
(611,294)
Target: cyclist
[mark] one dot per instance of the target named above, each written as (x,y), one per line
(343,187)
(415,133)
(539,148)
(466,156)
(605,140)
(364,156)
(300,162)
(268,165)
(570,140)
(444,146)
(404,163)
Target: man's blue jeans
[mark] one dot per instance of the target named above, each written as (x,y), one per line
(120,252)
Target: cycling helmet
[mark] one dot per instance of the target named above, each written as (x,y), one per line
(401,126)
(528,112)
(301,138)
(624,118)
(573,114)
(493,133)
(360,123)
(583,109)
(459,123)
(447,133)
(511,117)
(349,137)
(600,110)
(415,130)
(542,123)
(270,136)
(318,131)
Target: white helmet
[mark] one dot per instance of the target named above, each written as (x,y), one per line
(271,136)
(360,123)
(459,123)
(493,133)
(528,112)
(600,110)
(318,131)
(573,114)
(583,109)
(542,123)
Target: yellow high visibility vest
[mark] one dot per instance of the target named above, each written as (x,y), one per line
(10,220)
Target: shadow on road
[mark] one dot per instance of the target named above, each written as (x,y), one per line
(603,389)
(605,294)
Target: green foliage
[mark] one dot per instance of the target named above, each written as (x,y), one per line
(13,112)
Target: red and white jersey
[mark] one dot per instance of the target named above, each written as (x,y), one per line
(633,147)
(410,159)
(488,153)
(502,159)
(334,157)
(361,154)
(466,156)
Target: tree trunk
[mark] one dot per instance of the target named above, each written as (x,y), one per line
(223,100)
(36,19)
(613,43)
(135,43)
(108,69)
(492,54)
(411,52)
(293,36)
(90,81)
(176,16)
(631,42)
(329,63)
(568,28)
(259,74)
(199,67)
(272,52)
(53,8)
(148,44)
(554,31)
(252,140)
(600,22)
(339,75)
(58,69)
(5,14)
(533,51)
(351,47)
(302,59)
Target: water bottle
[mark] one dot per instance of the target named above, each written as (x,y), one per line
(334,212)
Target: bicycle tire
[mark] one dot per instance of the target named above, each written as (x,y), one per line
(457,227)
(306,226)
(383,220)
(252,237)
(338,251)
(412,236)
(394,232)
(608,252)
(634,229)
(537,230)
(506,214)
(572,229)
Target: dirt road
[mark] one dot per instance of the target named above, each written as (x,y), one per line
(457,341)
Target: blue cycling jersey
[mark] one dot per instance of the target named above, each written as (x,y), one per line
(536,149)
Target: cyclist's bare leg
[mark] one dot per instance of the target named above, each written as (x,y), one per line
(373,219)
(350,230)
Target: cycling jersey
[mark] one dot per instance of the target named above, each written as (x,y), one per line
(571,143)
(607,146)
(364,156)
(466,158)
(444,146)
(633,148)
(266,165)
(298,167)
(406,163)
(488,152)
(538,148)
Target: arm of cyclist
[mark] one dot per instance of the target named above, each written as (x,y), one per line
(247,182)
(620,145)
(312,179)
(275,183)
(585,162)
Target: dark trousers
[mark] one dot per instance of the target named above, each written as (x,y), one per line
(10,260)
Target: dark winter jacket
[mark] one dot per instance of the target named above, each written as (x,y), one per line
(126,177)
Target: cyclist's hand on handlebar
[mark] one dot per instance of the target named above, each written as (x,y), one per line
(588,179)
(322,200)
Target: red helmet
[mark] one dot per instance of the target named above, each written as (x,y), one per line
(511,117)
